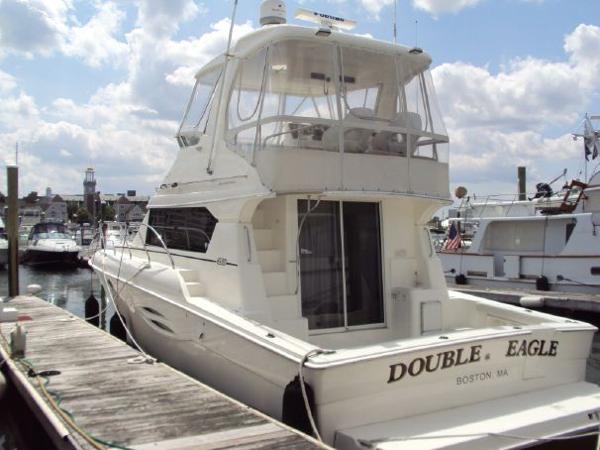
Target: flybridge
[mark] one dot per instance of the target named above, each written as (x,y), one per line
(325,19)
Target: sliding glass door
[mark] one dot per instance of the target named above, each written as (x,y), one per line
(340,264)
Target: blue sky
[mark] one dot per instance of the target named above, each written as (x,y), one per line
(102,84)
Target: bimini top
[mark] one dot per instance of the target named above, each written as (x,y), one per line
(261,38)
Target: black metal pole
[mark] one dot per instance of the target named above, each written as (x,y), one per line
(521,174)
(12,228)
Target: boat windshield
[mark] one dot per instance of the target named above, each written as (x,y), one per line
(197,114)
(320,96)
(49,231)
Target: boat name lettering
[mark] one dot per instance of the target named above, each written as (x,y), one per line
(222,261)
(535,347)
(481,376)
(434,362)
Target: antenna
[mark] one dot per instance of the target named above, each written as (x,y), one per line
(17,153)
(395,20)
(416,33)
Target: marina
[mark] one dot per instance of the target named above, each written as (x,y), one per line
(310,270)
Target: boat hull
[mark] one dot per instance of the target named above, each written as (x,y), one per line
(564,274)
(51,258)
(425,377)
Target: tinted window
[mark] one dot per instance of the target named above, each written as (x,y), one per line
(182,228)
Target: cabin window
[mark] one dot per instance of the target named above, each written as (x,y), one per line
(182,228)
(197,114)
(245,102)
(418,109)
(340,264)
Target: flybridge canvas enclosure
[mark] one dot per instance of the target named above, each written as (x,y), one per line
(299,93)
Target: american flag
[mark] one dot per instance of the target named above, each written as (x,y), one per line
(453,240)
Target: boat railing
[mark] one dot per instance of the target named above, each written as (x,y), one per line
(319,126)
(162,243)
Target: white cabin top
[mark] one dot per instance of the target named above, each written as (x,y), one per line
(309,110)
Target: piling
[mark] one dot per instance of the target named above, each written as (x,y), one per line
(522,176)
(12,228)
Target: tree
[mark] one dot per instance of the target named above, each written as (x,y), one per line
(82,215)
(107,212)
(32,197)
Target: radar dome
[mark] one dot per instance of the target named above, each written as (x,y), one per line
(272,12)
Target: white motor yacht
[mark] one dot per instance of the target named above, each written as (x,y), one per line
(548,242)
(285,259)
(51,244)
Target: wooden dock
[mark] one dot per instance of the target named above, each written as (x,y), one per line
(122,402)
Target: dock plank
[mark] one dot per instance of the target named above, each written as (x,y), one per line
(137,405)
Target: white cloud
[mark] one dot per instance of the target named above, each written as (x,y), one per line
(126,128)
(498,121)
(95,41)
(43,27)
(33,26)
(375,6)
(7,82)
(437,7)
(162,17)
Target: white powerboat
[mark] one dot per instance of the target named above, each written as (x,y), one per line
(285,260)
(51,244)
(549,242)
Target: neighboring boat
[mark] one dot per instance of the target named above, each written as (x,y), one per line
(549,242)
(285,260)
(115,234)
(51,244)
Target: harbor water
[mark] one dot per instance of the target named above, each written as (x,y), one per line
(69,289)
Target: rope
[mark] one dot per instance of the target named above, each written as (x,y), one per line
(109,295)
(311,419)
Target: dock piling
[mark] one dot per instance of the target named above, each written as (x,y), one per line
(12,228)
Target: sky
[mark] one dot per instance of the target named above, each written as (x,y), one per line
(103,84)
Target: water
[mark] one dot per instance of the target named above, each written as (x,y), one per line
(69,288)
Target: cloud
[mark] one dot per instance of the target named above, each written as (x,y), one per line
(375,6)
(436,7)
(44,27)
(125,130)
(162,17)
(33,26)
(498,121)
(95,42)
(7,82)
